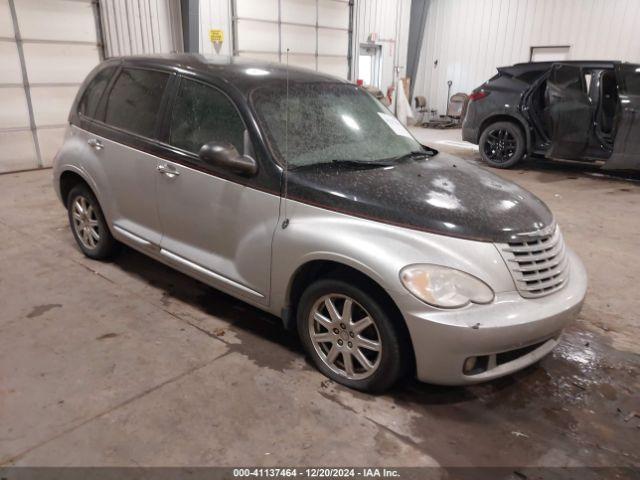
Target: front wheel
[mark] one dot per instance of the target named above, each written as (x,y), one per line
(350,336)
(502,144)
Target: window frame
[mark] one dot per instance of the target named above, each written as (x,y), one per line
(165,128)
(101,109)
(115,73)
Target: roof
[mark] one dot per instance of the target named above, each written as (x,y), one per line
(519,68)
(243,73)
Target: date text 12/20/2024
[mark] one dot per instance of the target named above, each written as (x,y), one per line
(316,472)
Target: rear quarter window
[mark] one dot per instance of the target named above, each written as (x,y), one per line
(93,93)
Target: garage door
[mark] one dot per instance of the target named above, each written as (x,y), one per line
(316,32)
(46,49)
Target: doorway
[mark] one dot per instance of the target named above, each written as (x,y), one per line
(370,64)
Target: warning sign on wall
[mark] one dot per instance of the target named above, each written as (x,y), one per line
(217,37)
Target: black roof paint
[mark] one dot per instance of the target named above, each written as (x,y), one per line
(238,73)
(443,194)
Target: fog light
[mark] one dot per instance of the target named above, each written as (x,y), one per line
(475,365)
(469,365)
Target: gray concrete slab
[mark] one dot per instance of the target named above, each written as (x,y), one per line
(131,363)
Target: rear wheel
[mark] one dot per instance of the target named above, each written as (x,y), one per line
(88,224)
(502,144)
(349,336)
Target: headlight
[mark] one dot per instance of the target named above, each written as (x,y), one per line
(444,287)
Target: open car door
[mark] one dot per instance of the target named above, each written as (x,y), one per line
(569,112)
(626,146)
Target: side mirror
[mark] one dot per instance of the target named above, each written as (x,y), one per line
(225,155)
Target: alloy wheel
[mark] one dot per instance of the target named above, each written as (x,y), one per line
(85,222)
(500,145)
(345,336)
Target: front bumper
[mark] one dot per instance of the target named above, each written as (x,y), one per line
(444,339)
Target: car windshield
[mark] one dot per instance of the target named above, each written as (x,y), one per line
(330,123)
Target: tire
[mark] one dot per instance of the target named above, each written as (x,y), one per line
(502,144)
(388,363)
(88,224)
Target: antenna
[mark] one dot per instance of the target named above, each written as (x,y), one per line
(285,223)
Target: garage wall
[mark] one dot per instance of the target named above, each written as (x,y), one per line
(47,47)
(132,27)
(389,20)
(469,39)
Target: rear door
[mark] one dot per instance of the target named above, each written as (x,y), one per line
(569,112)
(626,150)
(124,139)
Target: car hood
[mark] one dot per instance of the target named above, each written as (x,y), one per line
(442,194)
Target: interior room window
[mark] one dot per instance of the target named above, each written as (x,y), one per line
(549,53)
(94,91)
(202,114)
(134,100)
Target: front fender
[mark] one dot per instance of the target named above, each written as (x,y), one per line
(373,248)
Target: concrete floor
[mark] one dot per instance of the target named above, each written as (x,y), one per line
(131,363)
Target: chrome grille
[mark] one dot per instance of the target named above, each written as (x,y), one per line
(538,265)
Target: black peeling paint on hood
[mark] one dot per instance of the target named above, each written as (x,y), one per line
(442,194)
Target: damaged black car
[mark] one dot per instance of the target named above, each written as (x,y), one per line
(580,110)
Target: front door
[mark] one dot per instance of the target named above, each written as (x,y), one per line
(570,112)
(626,149)
(216,224)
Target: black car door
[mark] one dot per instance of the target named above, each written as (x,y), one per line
(569,112)
(626,147)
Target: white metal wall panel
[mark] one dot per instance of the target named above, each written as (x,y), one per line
(389,21)
(470,39)
(215,15)
(257,37)
(314,31)
(299,40)
(6,25)
(14,113)
(299,11)
(61,20)
(17,151)
(10,72)
(44,63)
(263,9)
(132,27)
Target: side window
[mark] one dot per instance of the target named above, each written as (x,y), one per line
(631,79)
(92,94)
(134,100)
(202,114)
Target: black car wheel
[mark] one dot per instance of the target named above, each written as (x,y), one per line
(502,144)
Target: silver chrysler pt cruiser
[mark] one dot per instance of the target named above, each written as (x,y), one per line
(300,194)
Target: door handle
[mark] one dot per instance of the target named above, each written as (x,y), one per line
(95,144)
(166,170)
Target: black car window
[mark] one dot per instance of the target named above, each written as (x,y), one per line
(202,114)
(93,92)
(631,79)
(134,100)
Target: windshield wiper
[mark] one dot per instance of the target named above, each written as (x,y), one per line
(414,154)
(349,163)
